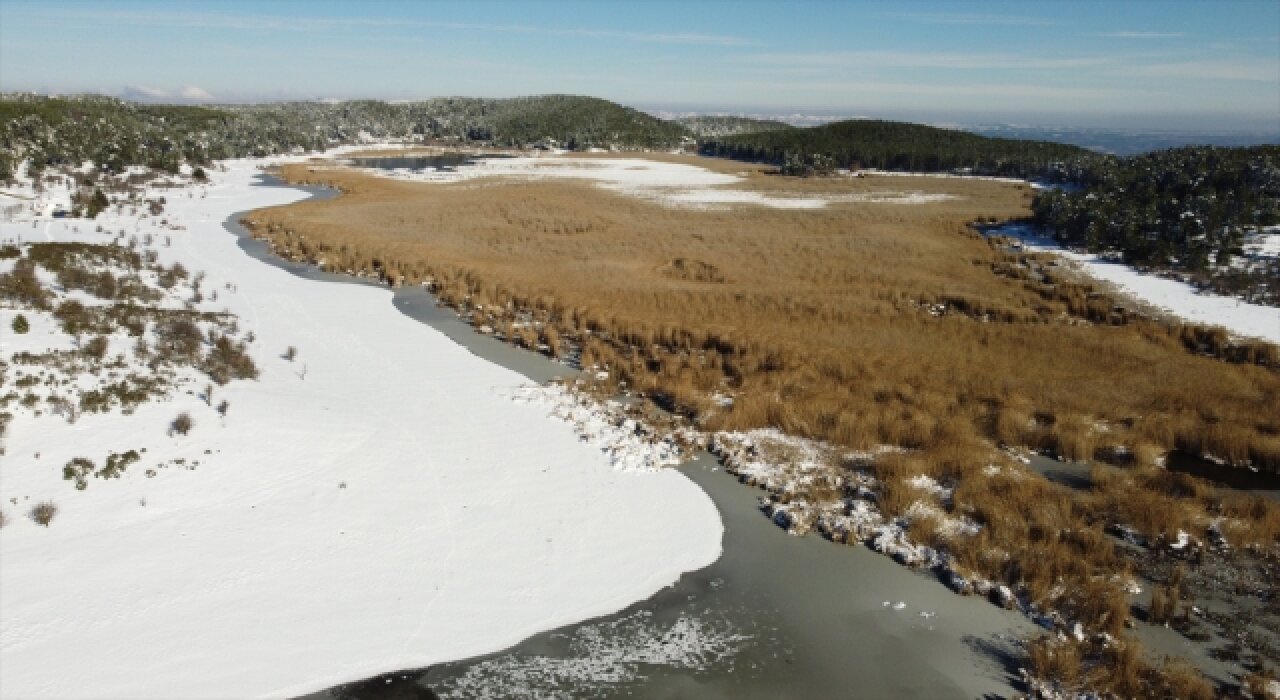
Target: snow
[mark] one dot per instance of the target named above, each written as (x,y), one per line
(670,184)
(1263,243)
(1175,297)
(379,503)
(629,445)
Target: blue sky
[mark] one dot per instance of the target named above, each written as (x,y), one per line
(1140,63)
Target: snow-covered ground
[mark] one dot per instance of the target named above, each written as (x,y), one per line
(377,503)
(1176,297)
(671,184)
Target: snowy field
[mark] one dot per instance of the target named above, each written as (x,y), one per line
(1178,298)
(379,502)
(670,184)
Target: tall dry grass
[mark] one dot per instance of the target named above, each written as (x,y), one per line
(860,324)
(815,318)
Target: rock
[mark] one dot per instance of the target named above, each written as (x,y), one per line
(1004,597)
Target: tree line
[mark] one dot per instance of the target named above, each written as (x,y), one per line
(1183,209)
(888,145)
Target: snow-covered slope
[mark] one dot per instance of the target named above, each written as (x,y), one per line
(1176,297)
(379,502)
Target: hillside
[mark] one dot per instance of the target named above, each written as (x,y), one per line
(865,143)
(1190,210)
(579,122)
(704,126)
(114,134)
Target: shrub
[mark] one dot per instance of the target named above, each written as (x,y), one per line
(22,285)
(74,316)
(97,347)
(182,424)
(78,470)
(228,360)
(21,325)
(117,463)
(42,513)
(178,337)
(4,519)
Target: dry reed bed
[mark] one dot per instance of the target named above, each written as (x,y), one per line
(815,320)
(825,324)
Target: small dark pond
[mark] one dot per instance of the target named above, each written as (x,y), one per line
(446,162)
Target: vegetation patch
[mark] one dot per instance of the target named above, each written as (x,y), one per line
(863,329)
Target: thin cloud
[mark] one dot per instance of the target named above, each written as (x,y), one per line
(987,20)
(322,24)
(966,94)
(191,92)
(1248,71)
(1142,35)
(909,59)
(143,93)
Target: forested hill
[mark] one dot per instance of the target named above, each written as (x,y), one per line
(113,133)
(705,126)
(887,145)
(579,122)
(1185,209)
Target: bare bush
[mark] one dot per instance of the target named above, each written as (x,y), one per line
(182,424)
(96,347)
(78,470)
(228,360)
(42,513)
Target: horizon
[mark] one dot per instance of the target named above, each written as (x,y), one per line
(1129,67)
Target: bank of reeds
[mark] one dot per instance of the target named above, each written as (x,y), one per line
(860,324)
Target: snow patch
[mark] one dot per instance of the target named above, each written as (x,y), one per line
(1176,297)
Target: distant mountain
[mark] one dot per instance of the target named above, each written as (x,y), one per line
(890,145)
(1126,141)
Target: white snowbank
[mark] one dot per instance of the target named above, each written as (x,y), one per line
(1178,298)
(671,184)
(629,445)
(376,504)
